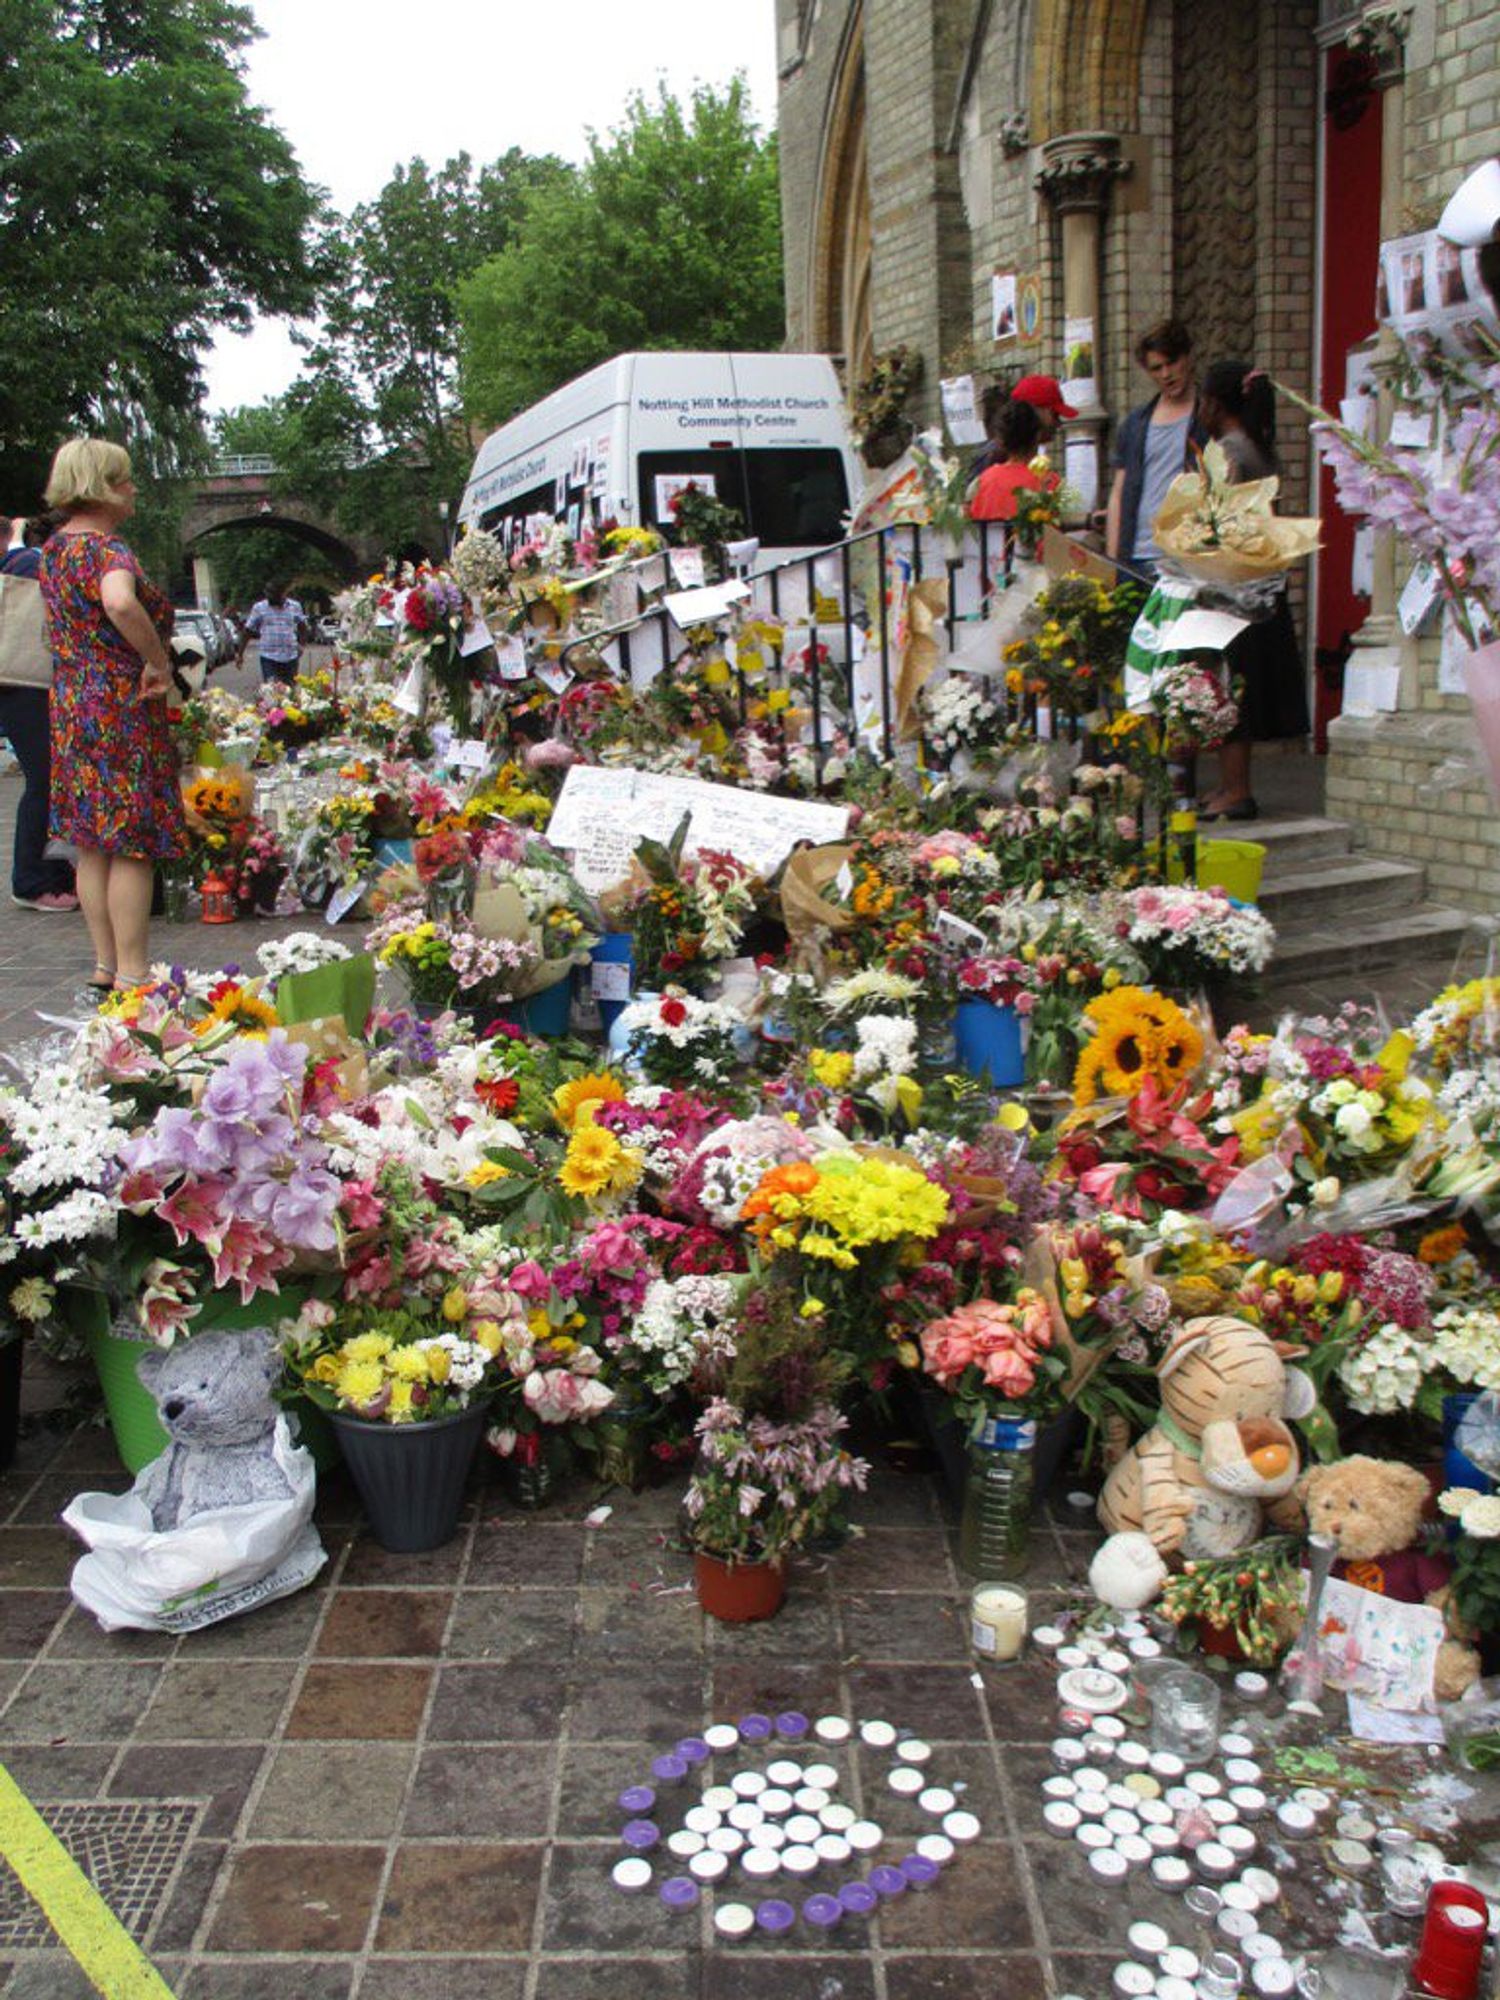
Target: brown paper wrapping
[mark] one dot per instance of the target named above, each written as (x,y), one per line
(1263,543)
(926,602)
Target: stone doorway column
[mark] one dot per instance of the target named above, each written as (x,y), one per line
(1077,172)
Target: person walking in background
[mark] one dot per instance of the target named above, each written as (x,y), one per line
(1155,442)
(278,621)
(115,789)
(1018,437)
(1237,407)
(36,883)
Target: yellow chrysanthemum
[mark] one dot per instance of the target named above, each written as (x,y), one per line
(408,1364)
(487,1172)
(831,1067)
(366,1347)
(591,1162)
(575,1102)
(359,1381)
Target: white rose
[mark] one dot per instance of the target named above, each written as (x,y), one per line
(1481,1517)
(1326,1191)
(1353,1122)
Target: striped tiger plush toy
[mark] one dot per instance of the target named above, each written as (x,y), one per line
(1220,1453)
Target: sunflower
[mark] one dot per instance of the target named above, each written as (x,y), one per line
(574,1103)
(240,1009)
(592,1161)
(1138,1036)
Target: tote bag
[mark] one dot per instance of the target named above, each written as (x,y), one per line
(25,654)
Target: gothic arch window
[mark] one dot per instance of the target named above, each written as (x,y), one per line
(841,316)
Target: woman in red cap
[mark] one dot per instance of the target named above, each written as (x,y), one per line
(1044,393)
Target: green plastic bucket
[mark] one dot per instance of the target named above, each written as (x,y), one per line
(1233,865)
(139,1436)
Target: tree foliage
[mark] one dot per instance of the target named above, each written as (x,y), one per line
(373,430)
(144,203)
(668,237)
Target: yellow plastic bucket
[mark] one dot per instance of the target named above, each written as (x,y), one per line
(1234,865)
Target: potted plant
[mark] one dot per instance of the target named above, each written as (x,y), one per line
(408,1397)
(771,1472)
(877,419)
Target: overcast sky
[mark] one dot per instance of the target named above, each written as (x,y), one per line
(360,85)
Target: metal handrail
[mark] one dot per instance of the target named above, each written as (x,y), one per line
(245,465)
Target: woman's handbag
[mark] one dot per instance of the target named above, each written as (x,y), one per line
(25,652)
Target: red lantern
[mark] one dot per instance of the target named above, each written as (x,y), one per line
(218,899)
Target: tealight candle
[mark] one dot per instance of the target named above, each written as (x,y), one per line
(765,1839)
(1094,1838)
(1352,1856)
(1273,1978)
(1122,1796)
(1154,1812)
(1215,1860)
(1260,1945)
(961,1826)
(865,1836)
(832,1849)
(755,1728)
(802,1829)
(937,1799)
(774,1916)
(760,1864)
(1117,1821)
(774,1803)
(1098,1746)
(747,1784)
(914,1751)
(1048,1638)
(1251,1687)
(640,1834)
(936,1847)
(997,1622)
(823,1912)
(1316,1800)
(792,1725)
(709,1867)
(1147,1940)
(1073,1656)
(1171,1873)
(1296,1821)
(1241,1771)
(887,1882)
(1204,1783)
(685,1843)
(1058,1787)
(1135,1849)
(669,1770)
(631,1874)
(799,1860)
(1234,1743)
(811,1799)
(693,1750)
(1145,1648)
(1235,1896)
(1263,1883)
(1110,1726)
(1136,1757)
(721,1736)
(1093,1805)
(906,1780)
(720,1798)
(1223,1812)
(879,1735)
(637,1800)
(1162,1839)
(679,1892)
(1113,1662)
(858,1898)
(744,1816)
(1355,1826)
(1249,1801)
(701,1819)
(725,1840)
(1177,1962)
(1087,1778)
(1109,1864)
(1240,1841)
(1167,1765)
(784,1773)
(1132,1981)
(1168,1988)
(832,1729)
(837,1818)
(1061,1819)
(1235,1925)
(824,1777)
(920,1873)
(734,1920)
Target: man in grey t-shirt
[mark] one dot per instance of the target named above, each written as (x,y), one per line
(1154,444)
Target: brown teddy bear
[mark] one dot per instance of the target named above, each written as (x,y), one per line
(1372,1508)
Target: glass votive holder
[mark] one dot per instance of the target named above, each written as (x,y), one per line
(1184,1714)
(997,1622)
(1220,1977)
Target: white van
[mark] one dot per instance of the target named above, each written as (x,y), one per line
(765,431)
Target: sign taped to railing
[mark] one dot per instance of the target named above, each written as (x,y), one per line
(602,813)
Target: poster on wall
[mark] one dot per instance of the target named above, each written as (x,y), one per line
(1029,307)
(1003,305)
(1430,292)
(1078,364)
(961,410)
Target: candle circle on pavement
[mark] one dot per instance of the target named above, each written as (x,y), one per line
(631,1874)
(734,1920)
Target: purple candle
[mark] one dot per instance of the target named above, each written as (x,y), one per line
(679,1892)
(887,1882)
(640,1834)
(636,1800)
(920,1873)
(755,1728)
(792,1725)
(775,1916)
(669,1770)
(823,1911)
(858,1898)
(693,1750)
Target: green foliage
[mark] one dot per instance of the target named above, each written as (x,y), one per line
(668,237)
(247,559)
(144,202)
(372,431)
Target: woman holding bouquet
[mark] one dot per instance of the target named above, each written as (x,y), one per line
(1237,408)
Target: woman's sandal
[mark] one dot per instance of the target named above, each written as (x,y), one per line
(103,980)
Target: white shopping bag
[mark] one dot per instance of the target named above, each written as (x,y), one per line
(220,1563)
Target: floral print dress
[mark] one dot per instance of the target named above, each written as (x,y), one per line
(115,788)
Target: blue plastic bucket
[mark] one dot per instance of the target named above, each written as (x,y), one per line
(546,1013)
(988,1038)
(616,948)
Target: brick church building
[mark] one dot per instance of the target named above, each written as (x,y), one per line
(1235,162)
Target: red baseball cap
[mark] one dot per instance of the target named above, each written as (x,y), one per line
(1044,392)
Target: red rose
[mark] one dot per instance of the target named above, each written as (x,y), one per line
(673,1012)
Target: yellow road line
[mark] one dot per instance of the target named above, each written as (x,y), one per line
(85,1925)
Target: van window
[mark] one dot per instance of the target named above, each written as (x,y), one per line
(788,497)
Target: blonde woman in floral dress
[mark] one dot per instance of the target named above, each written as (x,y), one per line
(115,791)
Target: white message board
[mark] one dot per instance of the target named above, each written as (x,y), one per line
(603,813)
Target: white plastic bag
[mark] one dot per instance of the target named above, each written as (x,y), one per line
(222,1562)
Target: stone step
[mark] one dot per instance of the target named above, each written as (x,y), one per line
(1289,843)
(1427,935)
(1328,891)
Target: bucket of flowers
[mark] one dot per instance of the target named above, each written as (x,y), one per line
(407,1395)
(772,1473)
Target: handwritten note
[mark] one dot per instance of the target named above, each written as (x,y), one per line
(602,814)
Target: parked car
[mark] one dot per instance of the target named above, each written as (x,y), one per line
(205,626)
(328,631)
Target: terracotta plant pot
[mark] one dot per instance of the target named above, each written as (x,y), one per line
(738,1593)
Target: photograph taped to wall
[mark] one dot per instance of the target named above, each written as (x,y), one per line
(1029,306)
(669,484)
(1003,306)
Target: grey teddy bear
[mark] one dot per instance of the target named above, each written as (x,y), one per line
(213,1393)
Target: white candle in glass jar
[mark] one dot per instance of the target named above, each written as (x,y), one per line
(997,1621)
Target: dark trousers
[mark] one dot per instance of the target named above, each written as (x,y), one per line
(278,670)
(23,719)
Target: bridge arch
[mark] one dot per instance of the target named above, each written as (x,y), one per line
(341,554)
